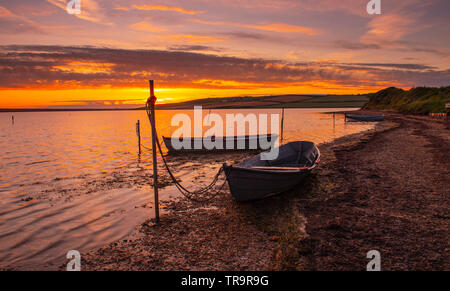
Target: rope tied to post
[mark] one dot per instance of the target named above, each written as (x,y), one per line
(200,195)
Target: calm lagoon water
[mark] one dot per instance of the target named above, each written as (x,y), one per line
(74,180)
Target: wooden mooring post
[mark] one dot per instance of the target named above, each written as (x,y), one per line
(151,104)
(282,126)
(138,133)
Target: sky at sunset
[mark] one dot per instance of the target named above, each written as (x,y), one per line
(215,48)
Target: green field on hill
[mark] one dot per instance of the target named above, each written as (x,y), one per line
(278,101)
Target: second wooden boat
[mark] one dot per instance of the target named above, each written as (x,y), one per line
(365,117)
(233,143)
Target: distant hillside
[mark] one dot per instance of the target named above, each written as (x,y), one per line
(276,101)
(420,100)
(273,101)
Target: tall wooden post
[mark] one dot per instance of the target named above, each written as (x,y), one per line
(151,103)
(282,126)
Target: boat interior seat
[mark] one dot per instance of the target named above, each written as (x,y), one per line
(297,155)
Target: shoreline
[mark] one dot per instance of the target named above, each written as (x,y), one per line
(276,233)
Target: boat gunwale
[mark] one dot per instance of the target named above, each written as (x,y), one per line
(366,115)
(272,138)
(299,169)
(365,118)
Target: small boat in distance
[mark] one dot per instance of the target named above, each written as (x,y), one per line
(365,117)
(255,178)
(230,143)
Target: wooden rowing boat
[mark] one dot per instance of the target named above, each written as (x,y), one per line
(255,178)
(368,118)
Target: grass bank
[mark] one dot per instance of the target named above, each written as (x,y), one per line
(420,100)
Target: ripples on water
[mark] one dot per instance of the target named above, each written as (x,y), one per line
(73,180)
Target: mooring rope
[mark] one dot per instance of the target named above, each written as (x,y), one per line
(191,195)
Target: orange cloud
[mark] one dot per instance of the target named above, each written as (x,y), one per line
(123,8)
(276,27)
(149,7)
(282,27)
(6,13)
(85,67)
(191,38)
(389,27)
(91,11)
(145,26)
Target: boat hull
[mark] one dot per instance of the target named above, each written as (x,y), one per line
(367,118)
(236,143)
(247,185)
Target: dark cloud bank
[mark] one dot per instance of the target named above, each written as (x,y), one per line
(38,66)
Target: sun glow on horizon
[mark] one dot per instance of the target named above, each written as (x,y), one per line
(137,96)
